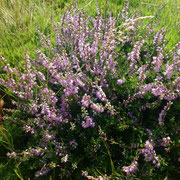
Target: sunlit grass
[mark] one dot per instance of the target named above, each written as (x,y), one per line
(166,16)
(19,18)
(18,22)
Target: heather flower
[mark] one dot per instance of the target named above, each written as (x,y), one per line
(159,37)
(149,132)
(163,113)
(80,83)
(134,55)
(73,143)
(157,62)
(37,151)
(42,172)
(29,129)
(165,141)
(85,101)
(121,81)
(159,90)
(100,94)
(131,169)
(140,71)
(125,11)
(169,70)
(40,75)
(85,174)
(88,123)
(65,158)
(48,136)
(149,153)
(97,107)
(110,108)
(11,155)
(132,116)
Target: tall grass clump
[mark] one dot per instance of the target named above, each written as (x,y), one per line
(100,99)
(165,14)
(18,21)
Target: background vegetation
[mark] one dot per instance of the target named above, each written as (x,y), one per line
(19,19)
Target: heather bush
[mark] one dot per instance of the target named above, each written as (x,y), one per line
(101,99)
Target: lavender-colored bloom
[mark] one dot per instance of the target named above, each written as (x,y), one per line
(12,154)
(88,123)
(140,71)
(159,37)
(29,129)
(165,141)
(169,70)
(121,81)
(149,132)
(73,143)
(131,169)
(65,158)
(42,172)
(134,55)
(85,101)
(163,113)
(97,107)
(100,94)
(149,153)
(157,62)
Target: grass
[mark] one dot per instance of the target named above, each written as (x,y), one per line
(19,18)
(18,22)
(166,16)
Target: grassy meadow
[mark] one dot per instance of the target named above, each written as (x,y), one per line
(19,19)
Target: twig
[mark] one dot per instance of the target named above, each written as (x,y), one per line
(87,4)
(150,4)
(1,110)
